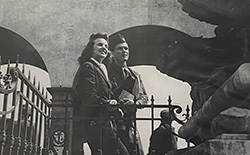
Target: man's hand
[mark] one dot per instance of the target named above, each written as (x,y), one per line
(128,102)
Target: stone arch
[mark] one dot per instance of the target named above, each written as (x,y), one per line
(12,44)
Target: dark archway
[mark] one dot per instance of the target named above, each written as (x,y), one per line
(12,44)
(148,43)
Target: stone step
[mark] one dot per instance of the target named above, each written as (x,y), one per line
(225,144)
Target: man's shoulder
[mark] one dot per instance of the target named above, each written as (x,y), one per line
(133,71)
(160,128)
(159,131)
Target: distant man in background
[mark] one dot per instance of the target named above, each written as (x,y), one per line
(162,140)
(129,90)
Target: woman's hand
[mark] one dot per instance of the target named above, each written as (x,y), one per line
(112,108)
(112,102)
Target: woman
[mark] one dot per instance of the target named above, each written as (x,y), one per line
(94,90)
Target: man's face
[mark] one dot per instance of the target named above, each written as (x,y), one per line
(121,52)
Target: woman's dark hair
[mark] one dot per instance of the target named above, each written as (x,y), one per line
(86,53)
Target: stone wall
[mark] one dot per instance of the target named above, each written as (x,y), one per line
(59,29)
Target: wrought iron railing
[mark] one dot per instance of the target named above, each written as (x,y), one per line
(25,114)
(31,125)
(175,111)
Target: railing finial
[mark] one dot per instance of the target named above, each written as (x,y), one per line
(8,67)
(17,60)
(43,90)
(152,99)
(23,70)
(34,80)
(29,75)
(169,99)
(39,87)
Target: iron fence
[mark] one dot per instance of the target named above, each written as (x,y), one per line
(31,125)
(25,114)
(175,112)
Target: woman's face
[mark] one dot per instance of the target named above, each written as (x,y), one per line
(100,49)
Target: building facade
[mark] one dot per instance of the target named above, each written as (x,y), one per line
(59,30)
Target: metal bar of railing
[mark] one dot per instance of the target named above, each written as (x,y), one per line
(3,125)
(45,145)
(170,120)
(65,150)
(49,129)
(136,151)
(40,128)
(25,137)
(11,136)
(20,111)
(32,87)
(100,133)
(31,129)
(36,124)
(152,114)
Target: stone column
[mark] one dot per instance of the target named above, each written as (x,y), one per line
(61,129)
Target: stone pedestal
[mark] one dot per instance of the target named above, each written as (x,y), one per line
(225,144)
(61,119)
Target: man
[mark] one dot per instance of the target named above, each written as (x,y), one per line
(129,90)
(162,140)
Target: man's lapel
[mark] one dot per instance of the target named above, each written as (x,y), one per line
(132,74)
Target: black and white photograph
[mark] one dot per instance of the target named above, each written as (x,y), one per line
(124,77)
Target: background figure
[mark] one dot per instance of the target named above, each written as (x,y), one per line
(94,89)
(129,90)
(162,140)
